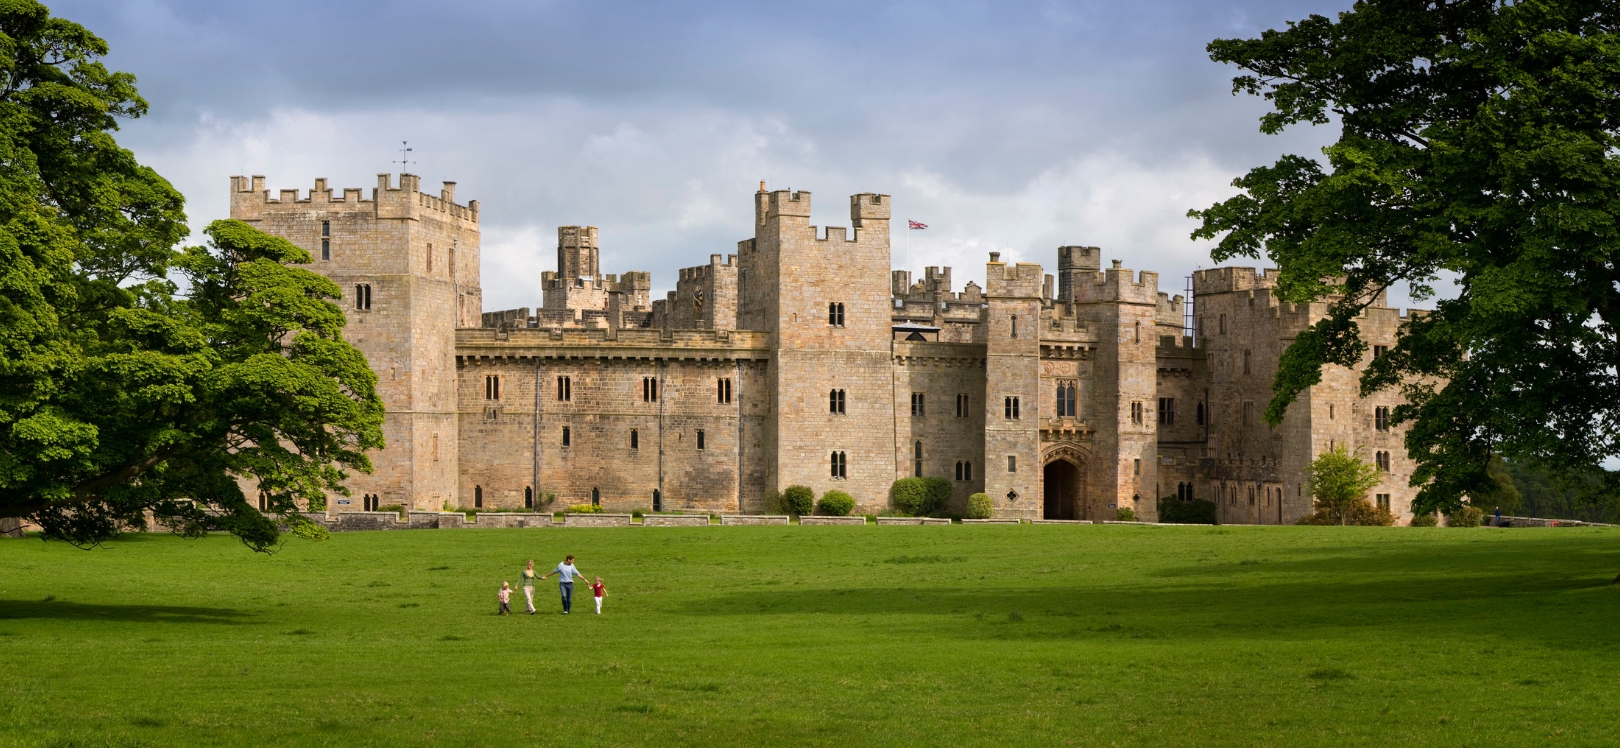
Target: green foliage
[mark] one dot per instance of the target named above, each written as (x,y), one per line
(980,506)
(118,395)
(1195,512)
(584,509)
(836,503)
(773,500)
(1465,516)
(1476,143)
(909,495)
(395,508)
(937,492)
(798,500)
(1125,514)
(636,513)
(1425,519)
(1561,494)
(1339,482)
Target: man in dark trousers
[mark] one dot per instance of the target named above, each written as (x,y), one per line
(565,581)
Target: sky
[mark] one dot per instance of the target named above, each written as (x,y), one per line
(1003,126)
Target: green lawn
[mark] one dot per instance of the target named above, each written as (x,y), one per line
(838,636)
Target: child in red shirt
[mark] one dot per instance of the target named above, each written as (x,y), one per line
(505,596)
(600,591)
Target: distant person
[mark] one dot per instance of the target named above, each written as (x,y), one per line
(565,572)
(505,596)
(599,591)
(528,586)
(1498,517)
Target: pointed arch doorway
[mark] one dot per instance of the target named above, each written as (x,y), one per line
(1060,489)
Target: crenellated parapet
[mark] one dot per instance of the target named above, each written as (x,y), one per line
(1117,285)
(250,200)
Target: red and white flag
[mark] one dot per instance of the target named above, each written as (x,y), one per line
(914,225)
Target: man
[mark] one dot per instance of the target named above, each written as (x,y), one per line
(565,572)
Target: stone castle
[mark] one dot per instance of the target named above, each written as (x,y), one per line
(805,359)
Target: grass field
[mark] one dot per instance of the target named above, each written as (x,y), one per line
(837,636)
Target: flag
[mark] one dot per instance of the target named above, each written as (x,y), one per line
(915,224)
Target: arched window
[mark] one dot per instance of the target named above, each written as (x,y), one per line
(596,497)
(658,500)
(478,497)
(1201,416)
(528,497)
(916,456)
(840,465)
(835,402)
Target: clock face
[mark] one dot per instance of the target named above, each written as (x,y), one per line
(697,299)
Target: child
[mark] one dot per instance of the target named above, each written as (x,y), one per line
(505,596)
(600,591)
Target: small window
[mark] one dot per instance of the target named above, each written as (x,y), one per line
(1381,418)
(635,439)
(959,470)
(596,497)
(1138,333)
(1330,411)
(430,258)
(649,389)
(362,297)
(478,497)
(1381,458)
(326,249)
(1379,351)
(565,389)
(724,391)
(1246,358)
(1167,411)
(835,402)
(1251,495)
(1012,463)
(492,387)
(967,470)
(1009,408)
(700,442)
(1248,412)
(528,497)
(566,440)
(1203,416)
(1136,467)
(917,459)
(1136,411)
(918,406)
(326,228)
(835,314)
(962,406)
(1223,324)
(1015,325)
(1383,501)
(840,465)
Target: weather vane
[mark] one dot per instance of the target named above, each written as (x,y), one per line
(405,150)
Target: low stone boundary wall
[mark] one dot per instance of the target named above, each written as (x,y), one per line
(675,520)
(753,519)
(912,520)
(1540,522)
(507,519)
(994,521)
(1060,521)
(832,520)
(596,520)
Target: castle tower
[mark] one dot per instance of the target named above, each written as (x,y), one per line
(1012,398)
(577,253)
(1126,427)
(408,264)
(1075,263)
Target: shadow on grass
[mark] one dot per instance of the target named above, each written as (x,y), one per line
(70,611)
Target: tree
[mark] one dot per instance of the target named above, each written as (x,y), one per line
(1339,482)
(1478,143)
(119,395)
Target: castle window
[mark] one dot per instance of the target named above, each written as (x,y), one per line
(596,497)
(967,470)
(1136,467)
(1383,501)
(326,249)
(1379,351)
(567,441)
(528,497)
(700,439)
(1009,408)
(1251,495)
(1381,418)
(649,389)
(1381,458)
(1138,332)
(565,389)
(658,500)
(1012,463)
(835,402)
(326,228)
(635,439)
(435,446)
(492,387)
(1203,415)
(724,389)
(835,314)
(917,459)
(362,297)
(962,406)
(1246,358)
(1223,324)
(1248,412)
(918,406)
(1330,411)
(478,497)
(1136,411)
(1015,325)
(430,258)
(840,465)
(1167,411)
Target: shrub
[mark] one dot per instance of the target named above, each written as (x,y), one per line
(938,493)
(1125,514)
(1195,512)
(836,503)
(1360,512)
(798,500)
(1466,516)
(909,495)
(1425,520)
(635,513)
(772,501)
(584,509)
(395,508)
(980,506)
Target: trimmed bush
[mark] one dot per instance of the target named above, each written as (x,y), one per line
(836,503)
(938,493)
(798,500)
(909,495)
(1125,514)
(1359,512)
(980,506)
(1467,516)
(1195,512)
(1425,520)
(584,509)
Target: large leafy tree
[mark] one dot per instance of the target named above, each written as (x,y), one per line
(1477,144)
(120,396)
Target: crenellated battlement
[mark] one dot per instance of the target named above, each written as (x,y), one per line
(787,204)
(1232,279)
(868,206)
(698,272)
(251,200)
(1021,279)
(1116,284)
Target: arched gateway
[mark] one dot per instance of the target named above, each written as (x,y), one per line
(1062,483)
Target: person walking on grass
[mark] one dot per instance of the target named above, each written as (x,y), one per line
(505,596)
(528,587)
(565,572)
(599,591)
